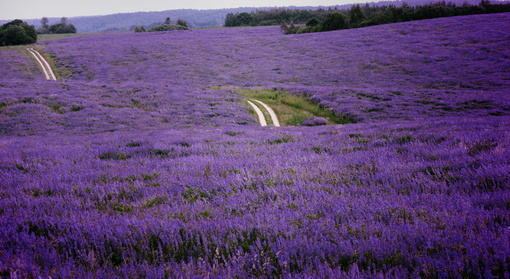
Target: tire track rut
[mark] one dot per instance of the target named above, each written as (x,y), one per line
(260,114)
(48,72)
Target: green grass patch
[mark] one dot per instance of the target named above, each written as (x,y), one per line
(154,202)
(49,37)
(291,109)
(114,156)
(285,139)
(12,48)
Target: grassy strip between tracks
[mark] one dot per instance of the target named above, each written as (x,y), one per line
(291,109)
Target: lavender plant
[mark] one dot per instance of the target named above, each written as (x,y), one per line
(144,162)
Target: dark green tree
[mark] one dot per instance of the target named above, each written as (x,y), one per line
(293,29)
(44,26)
(334,21)
(17,32)
(61,28)
(229,20)
(243,19)
(166,27)
(356,16)
(182,22)
(44,22)
(312,22)
(167,21)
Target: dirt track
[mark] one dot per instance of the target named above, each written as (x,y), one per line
(48,72)
(260,115)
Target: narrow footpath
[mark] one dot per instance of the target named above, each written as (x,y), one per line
(48,72)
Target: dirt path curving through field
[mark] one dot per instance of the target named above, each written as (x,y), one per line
(276,123)
(259,113)
(48,72)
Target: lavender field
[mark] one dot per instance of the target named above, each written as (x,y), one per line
(143,161)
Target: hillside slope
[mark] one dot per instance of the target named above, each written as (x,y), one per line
(408,70)
(142,160)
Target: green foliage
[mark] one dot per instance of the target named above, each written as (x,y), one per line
(182,22)
(114,156)
(356,16)
(292,109)
(285,139)
(231,133)
(154,202)
(161,152)
(404,139)
(120,207)
(241,19)
(167,27)
(150,177)
(334,21)
(192,195)
(17,32)
(76,108)
(272,17)
(302,29)
(312,22)
(480,146)
(140,29)
(60,28)
(312,25)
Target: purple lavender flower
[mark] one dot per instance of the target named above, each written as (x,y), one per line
(314,121)
(142,161)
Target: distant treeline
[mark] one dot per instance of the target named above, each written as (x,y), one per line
(128,21)
(166,26)
(357,16)
(194,18)
(60,28)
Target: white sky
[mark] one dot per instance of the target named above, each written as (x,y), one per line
(31,9)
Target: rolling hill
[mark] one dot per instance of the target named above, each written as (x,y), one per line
(143,159)
(195,18)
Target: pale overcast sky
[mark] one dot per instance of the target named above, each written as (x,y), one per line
(30,9)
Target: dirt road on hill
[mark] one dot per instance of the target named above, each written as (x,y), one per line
(276,123)
(48,72)
(260,114)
